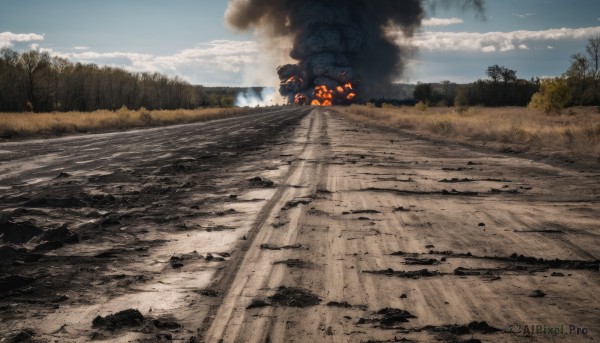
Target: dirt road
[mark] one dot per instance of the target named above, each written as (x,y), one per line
(315,229)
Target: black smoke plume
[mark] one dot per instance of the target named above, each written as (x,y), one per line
(343,47)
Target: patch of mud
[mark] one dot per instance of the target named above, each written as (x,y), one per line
(451,330)
(388,318)
(288,297)
(527,260)
(268,246)
(295,203)
(12,282)
(413,274)
(456,180)
(296,263)
(420,261)
(343,304)
(19,232)
(540,231)
(366,212)
(453,192)
(77,201)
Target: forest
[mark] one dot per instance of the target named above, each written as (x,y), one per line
(35,81)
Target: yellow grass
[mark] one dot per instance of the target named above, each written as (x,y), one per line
(48,124)
(577,131)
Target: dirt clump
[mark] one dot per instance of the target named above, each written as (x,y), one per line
(295,203)
(295,263)
(119,320)
(288,297)
(413,274)
(388,318)
(259,182)
(294,297)
(268,246)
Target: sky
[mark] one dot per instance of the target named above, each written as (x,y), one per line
(189,38)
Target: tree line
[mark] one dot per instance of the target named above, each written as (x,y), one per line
(503,88)
(578,86)
(37,82)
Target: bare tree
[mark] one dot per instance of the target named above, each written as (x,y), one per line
(593,50)
(578,74)
(33,62)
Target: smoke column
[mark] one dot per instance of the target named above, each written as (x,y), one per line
(343,48)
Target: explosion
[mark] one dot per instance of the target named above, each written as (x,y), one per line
(343,48)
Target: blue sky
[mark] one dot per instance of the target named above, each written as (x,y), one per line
(188,38)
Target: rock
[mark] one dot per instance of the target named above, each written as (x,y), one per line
(126,318)
(176,262)
(261,182)
(537,294)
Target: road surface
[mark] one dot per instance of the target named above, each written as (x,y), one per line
(295,225)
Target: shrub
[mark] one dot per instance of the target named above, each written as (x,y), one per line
(123,115)
(145,116)
(554,95)
(461,101)
(421,106)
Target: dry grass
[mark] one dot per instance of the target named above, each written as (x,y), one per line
(15,125)
(577,131)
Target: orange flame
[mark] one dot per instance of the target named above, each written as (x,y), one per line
(324,96)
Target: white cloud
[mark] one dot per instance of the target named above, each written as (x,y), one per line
(7,39)
(81,48)
(523,47)
(441,21)
(500,41)
(489,48)
(550,47)
(523,15)
(218,62)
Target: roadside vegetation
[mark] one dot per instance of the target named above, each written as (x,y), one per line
(21,125)
(555,115)
(577,131)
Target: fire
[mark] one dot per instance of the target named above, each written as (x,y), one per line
(300,99)
(323,96)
